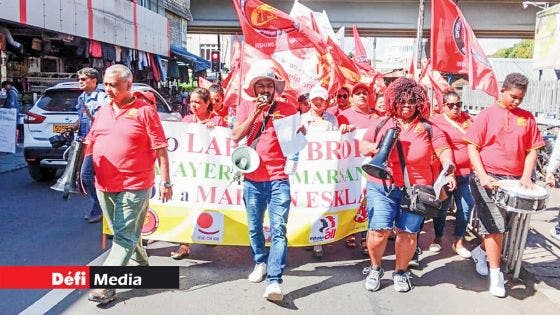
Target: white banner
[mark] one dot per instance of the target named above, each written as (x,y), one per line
(8,130)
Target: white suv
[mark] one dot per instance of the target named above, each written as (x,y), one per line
(52,114)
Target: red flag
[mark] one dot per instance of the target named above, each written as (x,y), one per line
(263,24)
(454,48)
(367,72)
(203,83)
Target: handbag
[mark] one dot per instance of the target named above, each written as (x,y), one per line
(418,199)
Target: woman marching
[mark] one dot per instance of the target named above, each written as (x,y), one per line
(406,106)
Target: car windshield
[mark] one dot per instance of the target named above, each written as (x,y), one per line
(59,100)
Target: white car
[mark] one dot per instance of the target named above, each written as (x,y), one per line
(53,113)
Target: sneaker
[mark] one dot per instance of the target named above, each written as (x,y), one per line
(554,233)
(273,292)
(435,248)
(102,296)
(415,261)
(461,251)
(374,275)
(497,284)
(258,273)
(479,257)
(401,281)
(318,251)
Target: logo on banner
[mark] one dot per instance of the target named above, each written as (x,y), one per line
(209,226)
(265,20)
(151,222)
(324,229)
(461,43)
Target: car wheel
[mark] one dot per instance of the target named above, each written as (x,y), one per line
(41,174)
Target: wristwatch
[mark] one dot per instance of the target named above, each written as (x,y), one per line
(167,184)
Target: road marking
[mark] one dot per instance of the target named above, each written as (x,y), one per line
(55,296)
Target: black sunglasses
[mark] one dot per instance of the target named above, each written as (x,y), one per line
(456,104)
(342,96)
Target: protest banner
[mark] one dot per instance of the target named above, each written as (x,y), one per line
(207,206)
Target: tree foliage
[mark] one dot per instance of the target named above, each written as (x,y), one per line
(523,49)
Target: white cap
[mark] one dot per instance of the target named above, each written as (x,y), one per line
(318,91)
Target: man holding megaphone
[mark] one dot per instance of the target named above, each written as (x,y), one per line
(265,183)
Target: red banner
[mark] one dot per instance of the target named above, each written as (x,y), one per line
(454,48)
(263,25)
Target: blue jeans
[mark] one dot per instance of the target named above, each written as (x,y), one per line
(88,180)
(274,195)
(384,210)
(464,202)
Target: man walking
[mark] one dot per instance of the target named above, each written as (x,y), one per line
(126,139)
(268,186)
(88,104)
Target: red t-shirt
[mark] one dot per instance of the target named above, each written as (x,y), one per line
(268,147)
(124,146)
(417,149)
(191,118)
(503,138)
(455,134)
(354,116)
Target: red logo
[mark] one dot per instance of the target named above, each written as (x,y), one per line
(205,224)
(151,222)
(266,20)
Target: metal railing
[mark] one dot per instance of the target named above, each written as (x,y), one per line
(542,99)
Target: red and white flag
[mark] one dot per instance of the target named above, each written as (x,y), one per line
(454,48)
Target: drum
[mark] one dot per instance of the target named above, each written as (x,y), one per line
(510,196)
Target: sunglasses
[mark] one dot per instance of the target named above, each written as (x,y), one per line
(361,93)
(342,96)
(82,79)
(456,104)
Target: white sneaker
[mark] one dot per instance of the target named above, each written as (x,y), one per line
(273,292)
(497,284)
(479,257)
(258,273)
(555,234)
(463,252)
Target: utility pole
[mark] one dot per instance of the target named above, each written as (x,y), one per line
(419,31)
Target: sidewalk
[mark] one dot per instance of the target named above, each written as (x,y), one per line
(541,259)
(12,161)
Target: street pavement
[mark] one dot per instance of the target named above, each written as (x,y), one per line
(213,279)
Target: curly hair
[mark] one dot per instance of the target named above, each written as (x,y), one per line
(406,90)
(515,80)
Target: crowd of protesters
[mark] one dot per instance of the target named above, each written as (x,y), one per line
(474,150)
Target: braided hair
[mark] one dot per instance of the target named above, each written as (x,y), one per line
(406,90)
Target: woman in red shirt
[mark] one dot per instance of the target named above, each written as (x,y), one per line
(202,113)
(454,123)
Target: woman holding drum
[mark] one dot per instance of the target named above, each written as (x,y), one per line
(503,143)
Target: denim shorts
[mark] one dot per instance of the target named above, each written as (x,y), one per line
(384,210)
(492,218)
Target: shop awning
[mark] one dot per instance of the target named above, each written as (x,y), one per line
(181,53)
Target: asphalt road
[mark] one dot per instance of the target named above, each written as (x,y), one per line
(38,228)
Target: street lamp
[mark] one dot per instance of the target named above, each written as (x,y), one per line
(539,4)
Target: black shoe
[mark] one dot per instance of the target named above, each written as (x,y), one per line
(415,261)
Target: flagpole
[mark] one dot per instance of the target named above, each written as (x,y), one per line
(419,33)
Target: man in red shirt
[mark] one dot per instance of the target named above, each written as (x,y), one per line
(268,186)
(126,139)
(358,115)
(503,143)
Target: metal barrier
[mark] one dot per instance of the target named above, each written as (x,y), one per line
(542,99)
